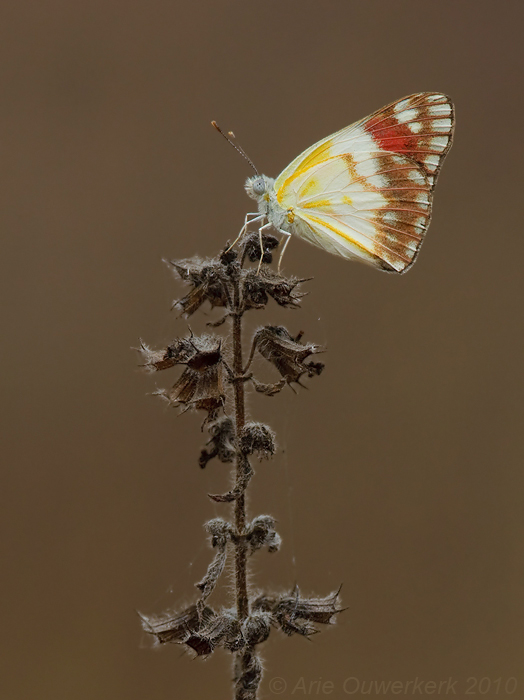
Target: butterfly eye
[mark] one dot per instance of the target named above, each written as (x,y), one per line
(259,186)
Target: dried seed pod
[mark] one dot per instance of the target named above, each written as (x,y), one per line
(269,389)
(257,438)
(221,444)
(224,630)
(254,290)
(256,628)
(178,352)
(297,615)
(261,533)
(221,532)
(177,628)
(288,354)
(258,285)
(210,283)
(251,246)
(201,384)
(282,289)
(228,255)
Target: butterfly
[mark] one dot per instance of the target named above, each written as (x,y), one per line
(365,192)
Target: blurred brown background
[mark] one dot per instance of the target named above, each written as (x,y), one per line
(400,470)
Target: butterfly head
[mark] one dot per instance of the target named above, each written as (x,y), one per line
(259,187)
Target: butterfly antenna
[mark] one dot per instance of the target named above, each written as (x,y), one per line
(235,145)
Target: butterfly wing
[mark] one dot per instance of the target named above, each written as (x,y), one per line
(366,191)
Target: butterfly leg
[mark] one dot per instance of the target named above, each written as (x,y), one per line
(288,238)
(262,228)
(257,216)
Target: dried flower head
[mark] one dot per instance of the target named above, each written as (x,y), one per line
(257,438)
(220,445)
(178,352)
(221,533)
(209,281)
(177,628)
(288,354)
(251,247)
(261,533)
(224,630)
(201,384)
(256,628)
(297,615)
(254,290)
(258,285)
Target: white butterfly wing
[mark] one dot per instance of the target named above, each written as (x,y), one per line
(366,191)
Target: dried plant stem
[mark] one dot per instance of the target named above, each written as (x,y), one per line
(245,623)
(243,658)
(240,503)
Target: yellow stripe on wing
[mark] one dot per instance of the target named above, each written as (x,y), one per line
(322,223)
(317,204)
(317,155)
(372,247)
